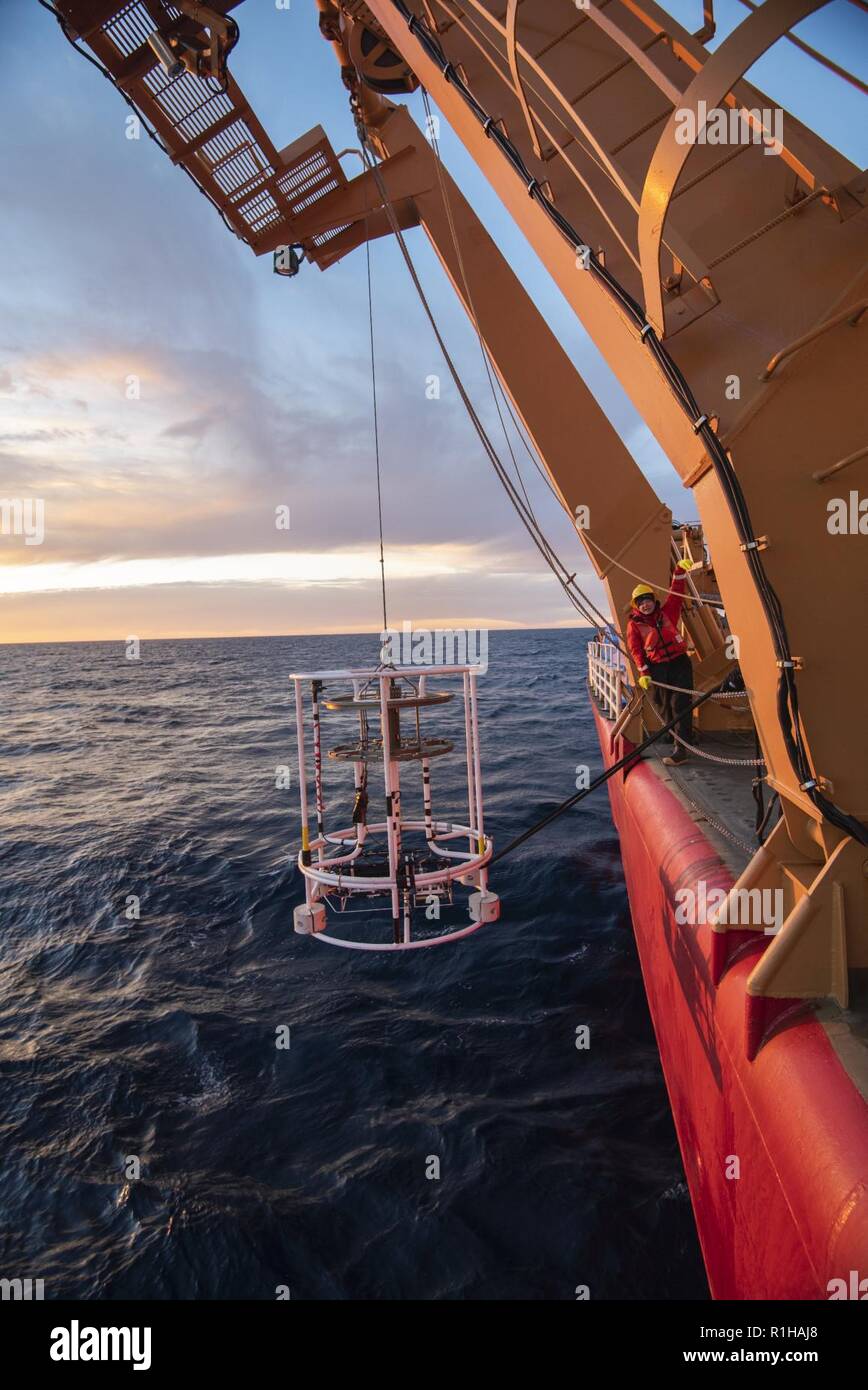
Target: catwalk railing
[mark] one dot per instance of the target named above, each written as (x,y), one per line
(608,676)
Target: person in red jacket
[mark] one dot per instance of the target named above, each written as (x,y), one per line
(660,654)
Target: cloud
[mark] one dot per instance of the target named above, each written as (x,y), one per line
(165,393)
(53,434)
(213,610)
(195,428)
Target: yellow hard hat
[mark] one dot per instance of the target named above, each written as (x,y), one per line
(641,589)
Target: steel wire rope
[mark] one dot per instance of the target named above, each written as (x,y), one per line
(376,430)
(580,602)
(474,317)
(489,368)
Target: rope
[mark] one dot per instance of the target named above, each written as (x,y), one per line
(704,600)
(661,588)
(718,694)
(700,753)
(713,758)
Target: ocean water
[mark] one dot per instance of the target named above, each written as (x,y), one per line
(149,1046)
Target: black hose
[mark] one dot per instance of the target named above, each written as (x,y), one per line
(598,781)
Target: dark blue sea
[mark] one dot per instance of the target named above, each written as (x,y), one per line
(154,1039)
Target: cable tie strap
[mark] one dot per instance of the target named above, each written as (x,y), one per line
(649,328)
(486,125)
(449,72)
(532,186)
(759,544)
(699,422)
(809,785)
(412,22)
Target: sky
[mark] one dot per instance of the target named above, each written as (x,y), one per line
(164,393)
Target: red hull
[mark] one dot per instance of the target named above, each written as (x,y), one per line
(797,1217)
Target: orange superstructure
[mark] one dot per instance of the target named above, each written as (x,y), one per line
(716,250)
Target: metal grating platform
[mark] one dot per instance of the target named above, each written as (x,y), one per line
(211,132)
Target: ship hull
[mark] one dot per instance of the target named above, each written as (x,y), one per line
(775,1150)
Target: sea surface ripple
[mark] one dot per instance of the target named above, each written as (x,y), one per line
(154,1038)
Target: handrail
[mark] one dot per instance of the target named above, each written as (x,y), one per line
(713,84)
(633,51)
(824,473)
(474,33)
(854,313)
(607,676)
(817,56)
(600,153)
(512,56)
(587,141)
(709,25)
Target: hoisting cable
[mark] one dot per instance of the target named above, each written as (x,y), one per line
(444,193)
(598,781)
(750,544)
(492,374)
(376,435)
(447,207)
(580,601)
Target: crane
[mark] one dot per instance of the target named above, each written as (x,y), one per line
(725,284)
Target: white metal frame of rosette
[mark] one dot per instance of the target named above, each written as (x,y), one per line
(333,863)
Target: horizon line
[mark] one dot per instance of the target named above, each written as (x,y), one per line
(274,636)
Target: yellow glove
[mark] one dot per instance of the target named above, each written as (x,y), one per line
(685,565)
(645,682)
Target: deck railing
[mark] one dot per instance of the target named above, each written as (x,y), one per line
(608,676)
